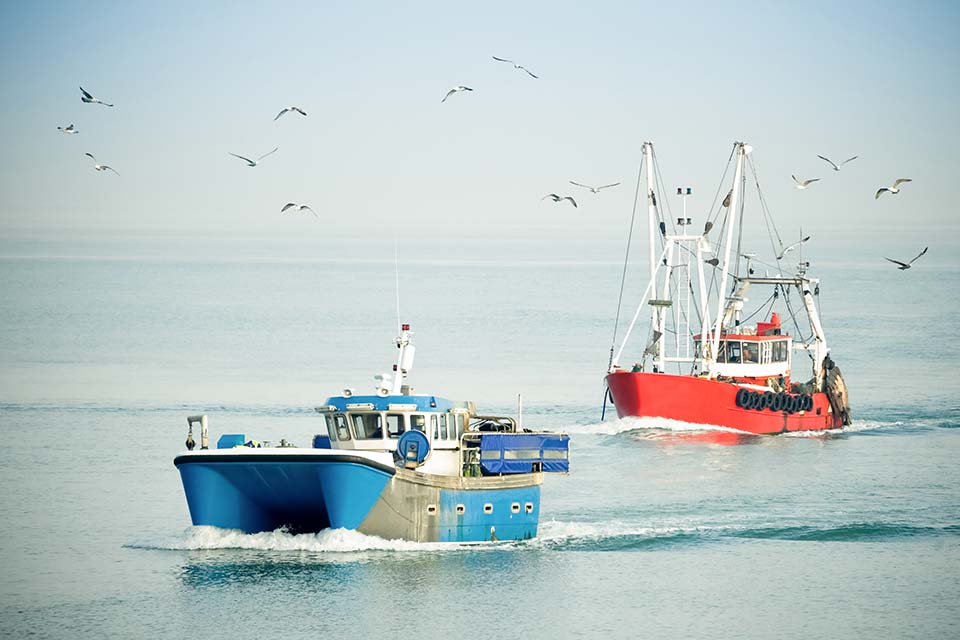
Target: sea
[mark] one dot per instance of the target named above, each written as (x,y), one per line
(108,341)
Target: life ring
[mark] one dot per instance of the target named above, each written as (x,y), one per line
(742,396)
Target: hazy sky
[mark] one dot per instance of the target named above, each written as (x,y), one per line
(194,81)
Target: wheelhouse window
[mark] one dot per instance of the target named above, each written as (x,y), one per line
(418,422)
(340,426)
(395,426)
(331,428)
(781,349)
(729,351)
(367,426)
(443,426)
(750,353)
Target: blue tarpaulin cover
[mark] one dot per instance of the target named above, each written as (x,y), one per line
(516,452)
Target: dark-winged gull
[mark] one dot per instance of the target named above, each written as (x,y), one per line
(297,109)
(88,98)
(456,89)
(894,189)
(557,198)
(792,247)
(836,167)
(253,163)
(300,207)
(594,189)
(100,167)
(68,129)
(515,66)
(905,265)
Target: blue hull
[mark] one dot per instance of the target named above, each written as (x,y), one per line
(308,493)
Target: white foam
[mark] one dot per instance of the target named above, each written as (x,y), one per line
(327,541)
(346,543)
(630,423)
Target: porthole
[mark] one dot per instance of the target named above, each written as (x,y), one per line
(515,507)
(488,507)
(528,507)
(461,509)
(431,509)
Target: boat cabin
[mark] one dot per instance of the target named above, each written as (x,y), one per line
(375,423)
(753,354)
(456,438)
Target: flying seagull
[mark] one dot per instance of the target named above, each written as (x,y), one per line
(594,189)
(100,167)
(515,65)
(894,189)
(86,97)
(836,167)
(297,109)
(557,198)
(906,265)
(456,89)
(68,129)
(253,163)
(302,207)
(803,184)
(791,247)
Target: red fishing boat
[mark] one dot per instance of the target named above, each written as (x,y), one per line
(723,371)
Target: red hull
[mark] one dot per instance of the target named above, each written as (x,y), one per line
(710,403)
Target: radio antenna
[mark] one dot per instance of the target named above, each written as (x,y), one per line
(396,269)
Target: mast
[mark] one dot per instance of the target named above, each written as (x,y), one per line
(656,313)
(734,206)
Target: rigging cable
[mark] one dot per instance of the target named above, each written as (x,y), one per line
(626,261)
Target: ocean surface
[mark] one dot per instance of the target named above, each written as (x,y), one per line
(107,343)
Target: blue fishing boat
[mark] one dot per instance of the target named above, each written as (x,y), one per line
(392,464)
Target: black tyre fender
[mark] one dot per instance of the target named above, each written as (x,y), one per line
(768,398)
(742,396)
(779,402)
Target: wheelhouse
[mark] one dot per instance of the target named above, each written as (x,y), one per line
(376,423)
(759,353)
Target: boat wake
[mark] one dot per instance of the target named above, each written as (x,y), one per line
(646,424)
(341,545)
(337,541)
(329,541)
(660,428)
(621,536)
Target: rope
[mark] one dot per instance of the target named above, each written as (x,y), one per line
(626,261)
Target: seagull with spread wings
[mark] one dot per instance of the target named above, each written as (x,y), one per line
(89,99)
(68,129)
(903,266)
(836,167)
(297,109)
(557,198)
(594,189)
(894,189)
(803,184)
(100,167)
(295,206)
(792,247)
(515,65)
(456,89)
(253,163)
